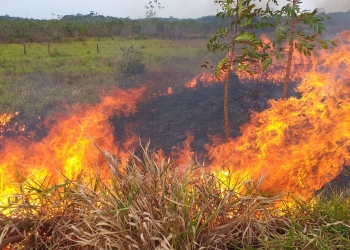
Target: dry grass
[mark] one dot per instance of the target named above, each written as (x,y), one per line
(152,204)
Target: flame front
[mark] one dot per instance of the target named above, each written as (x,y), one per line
(298,144)
(68,150)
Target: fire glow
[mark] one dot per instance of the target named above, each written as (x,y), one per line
(298,144)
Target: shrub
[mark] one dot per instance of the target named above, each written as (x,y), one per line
(131,63)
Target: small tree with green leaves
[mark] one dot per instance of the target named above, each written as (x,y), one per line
(244,47)
(291,22)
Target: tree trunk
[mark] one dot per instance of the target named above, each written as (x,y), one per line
(290,57)
(226,117)
(227,76)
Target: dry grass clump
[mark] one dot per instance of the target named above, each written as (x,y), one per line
(151,204)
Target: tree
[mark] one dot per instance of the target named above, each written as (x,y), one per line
(245,16)
(291,22)
(152,8)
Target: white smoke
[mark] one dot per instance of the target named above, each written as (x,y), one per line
(332,6)
(325,5)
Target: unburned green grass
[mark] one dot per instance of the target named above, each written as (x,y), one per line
(38,82)
(82,57)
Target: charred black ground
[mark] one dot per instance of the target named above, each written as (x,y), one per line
(164,120)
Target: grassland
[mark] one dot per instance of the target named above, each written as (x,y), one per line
(153,205)
(149,205)
(36,83)
(82,57)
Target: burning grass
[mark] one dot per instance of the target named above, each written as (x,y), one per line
(50,198)
(152,204)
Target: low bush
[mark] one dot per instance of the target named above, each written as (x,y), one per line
(131,63)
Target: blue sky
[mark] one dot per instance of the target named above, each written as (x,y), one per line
(44,9)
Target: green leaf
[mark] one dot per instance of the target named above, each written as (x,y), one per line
(248,38)
(323,44)
(220,67)
(291,40)
(334,43)
(240,7)
(265,64)
(242,67)
(247,21)
(253,54)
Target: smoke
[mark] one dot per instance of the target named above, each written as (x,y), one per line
(208,6)
(188,9)
(328,6)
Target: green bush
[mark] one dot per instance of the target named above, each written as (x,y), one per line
(131,63)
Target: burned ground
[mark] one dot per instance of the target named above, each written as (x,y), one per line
(164,120)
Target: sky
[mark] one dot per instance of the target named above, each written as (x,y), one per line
(48,9)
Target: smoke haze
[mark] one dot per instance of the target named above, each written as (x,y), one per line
(329,6)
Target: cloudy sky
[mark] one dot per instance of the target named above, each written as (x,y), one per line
(47,9)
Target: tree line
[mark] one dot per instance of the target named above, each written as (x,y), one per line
(22,30)
(80,27)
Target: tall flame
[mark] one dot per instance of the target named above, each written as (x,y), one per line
(299,144)
(68,150)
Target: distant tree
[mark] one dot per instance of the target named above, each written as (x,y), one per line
(291,22)
(152,8)
(245,16)
(93,13)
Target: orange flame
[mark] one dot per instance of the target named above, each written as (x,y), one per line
(69,149)
(205,78)
(300,144)
(185,156)
(5,119)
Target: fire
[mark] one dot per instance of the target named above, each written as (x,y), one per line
(5,126)
(5,118)
(232,180)
(207,79)
(276,72)
(68,151)
(299,144)
(185,156)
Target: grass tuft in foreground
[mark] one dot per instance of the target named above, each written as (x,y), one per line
(152,204)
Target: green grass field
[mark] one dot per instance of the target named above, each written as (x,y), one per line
(36,83)
(82,57)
